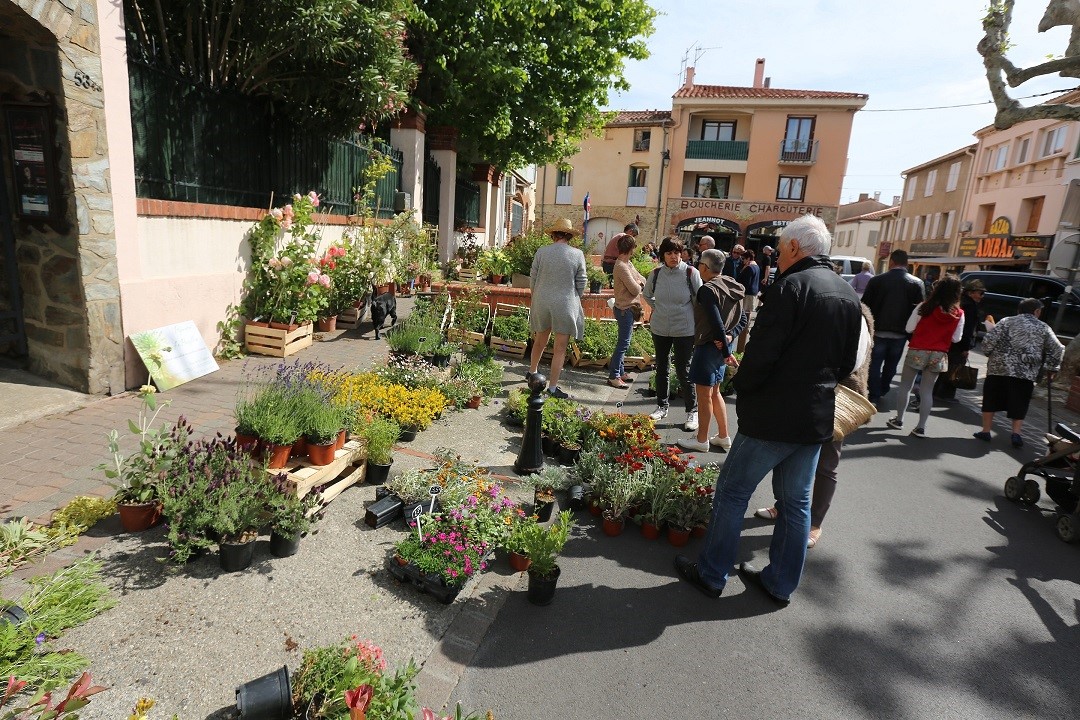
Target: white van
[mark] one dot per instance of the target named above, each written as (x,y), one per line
(850,266)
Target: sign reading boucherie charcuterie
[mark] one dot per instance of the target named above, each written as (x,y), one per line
(753,208)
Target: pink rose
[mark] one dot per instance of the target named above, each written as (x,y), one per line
(312,277)
(276,214)
(286,262)
(288,210)
(275,263)
(324,280)
(314,198)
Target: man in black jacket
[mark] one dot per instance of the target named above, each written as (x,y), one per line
(805,339)
(891,296)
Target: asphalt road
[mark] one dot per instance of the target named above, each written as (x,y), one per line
(929,596)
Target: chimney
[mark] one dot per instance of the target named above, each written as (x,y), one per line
(759,72)
(768,82)
(863,197)
(895,200)
(689,82)
(877,196)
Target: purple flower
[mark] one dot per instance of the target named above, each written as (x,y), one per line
(40,639)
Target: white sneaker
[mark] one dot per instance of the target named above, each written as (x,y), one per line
(724,443)
(694,444)
(658,414)
(691,421)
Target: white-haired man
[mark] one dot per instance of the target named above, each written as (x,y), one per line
(804,340)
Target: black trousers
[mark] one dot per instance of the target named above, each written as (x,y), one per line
(684,349)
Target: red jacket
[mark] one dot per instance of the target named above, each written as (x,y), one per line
(935,331)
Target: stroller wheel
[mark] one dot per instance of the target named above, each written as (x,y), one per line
(1068,528)
(1014,488)
(1031,492)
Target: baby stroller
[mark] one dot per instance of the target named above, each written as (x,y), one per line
(1060,471)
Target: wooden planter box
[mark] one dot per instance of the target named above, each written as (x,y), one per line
(579,360)
(506,346)
(276,343)
(350,319)
(467,275)
(467,337)
(347,469)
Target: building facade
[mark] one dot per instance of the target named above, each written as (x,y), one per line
(933,201)
(859,227)
(737,163)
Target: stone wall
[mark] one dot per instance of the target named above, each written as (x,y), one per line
(67,268)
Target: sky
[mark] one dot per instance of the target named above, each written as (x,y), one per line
(904,55)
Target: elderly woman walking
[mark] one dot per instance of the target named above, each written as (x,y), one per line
(558,282)
(1017,350)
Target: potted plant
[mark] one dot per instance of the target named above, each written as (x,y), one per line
(515,542)
(596,276)
(494,262)
(656,499)
(137,477)
(516,407)
(381,434)
(620,490)
(544,485)
(324,423)
(411,487)
(235,500)
(566,430)
(439,558)
(543,544)
(290,516)
(406,336)
(275,419)
(520,251)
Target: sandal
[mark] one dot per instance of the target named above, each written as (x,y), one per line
(769,513)
(815,535)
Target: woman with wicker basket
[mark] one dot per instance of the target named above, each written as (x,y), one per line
(825,475)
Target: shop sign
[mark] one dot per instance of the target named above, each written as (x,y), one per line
(30,138)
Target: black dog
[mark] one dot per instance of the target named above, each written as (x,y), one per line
(382,307)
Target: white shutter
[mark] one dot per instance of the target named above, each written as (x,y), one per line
(949,223)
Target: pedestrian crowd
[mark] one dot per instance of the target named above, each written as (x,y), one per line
(815,337)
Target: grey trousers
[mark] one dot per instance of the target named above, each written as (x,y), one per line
(824,481)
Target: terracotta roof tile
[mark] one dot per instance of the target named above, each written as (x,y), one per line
(641,117)
(753,93)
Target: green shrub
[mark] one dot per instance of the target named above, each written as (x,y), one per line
(599,338)
(512,327)
(522,249)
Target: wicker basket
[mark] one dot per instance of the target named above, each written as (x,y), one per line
(852,412)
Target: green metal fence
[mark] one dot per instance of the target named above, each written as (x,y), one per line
(196,145)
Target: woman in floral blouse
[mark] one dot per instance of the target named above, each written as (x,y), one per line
(1017,349)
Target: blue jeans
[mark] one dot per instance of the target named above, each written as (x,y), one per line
(626,327)
(884,359)
(747,463)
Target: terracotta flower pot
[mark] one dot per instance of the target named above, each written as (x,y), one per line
(285,326)
(327,324)
(340,440)
(299,448)
(650,531)
(613,527)
(519,562)
(136,517)
(474,402)
(320,455)
(595,509)
(699,531)
(677,536)
(278,456)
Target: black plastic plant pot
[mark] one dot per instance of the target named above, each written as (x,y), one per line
(594,287)
(281,546)
(266,698)
(383,511)
(408,509)
(542,589)
(575,497)
(377,474)
(235,557)
(568,455)
(407,435)
(542,508)
(438,589)
(550,448)
(12,615)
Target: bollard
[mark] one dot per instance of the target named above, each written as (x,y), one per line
(531,458)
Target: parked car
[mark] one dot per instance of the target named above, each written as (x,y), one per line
(1005,290)
(850,265)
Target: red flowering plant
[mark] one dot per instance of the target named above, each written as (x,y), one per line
(691,498)
(622,432)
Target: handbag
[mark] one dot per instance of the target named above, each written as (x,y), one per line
(852,411)
(965,377)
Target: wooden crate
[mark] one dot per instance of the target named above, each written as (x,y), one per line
(350,319)
(580,360)
(277,343)
(341,473)
(468,338)
(640,363)
(505,346)
(467,275)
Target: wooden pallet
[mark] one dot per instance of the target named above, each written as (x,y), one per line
(338,475)
(277,343)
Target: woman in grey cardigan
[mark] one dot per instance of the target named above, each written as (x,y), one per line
(670,291)
(558,282)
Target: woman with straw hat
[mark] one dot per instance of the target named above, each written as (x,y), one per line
(558,282)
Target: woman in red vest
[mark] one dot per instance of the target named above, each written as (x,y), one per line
(934,325)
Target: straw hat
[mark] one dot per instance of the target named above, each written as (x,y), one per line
(562,225)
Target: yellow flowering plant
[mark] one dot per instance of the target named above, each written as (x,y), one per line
(413,409)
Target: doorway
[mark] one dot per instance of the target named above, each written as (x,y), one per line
(13,350)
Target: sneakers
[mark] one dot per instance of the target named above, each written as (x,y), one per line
(895,423)
(982,435)
(724,443)
(1017,441)
(658,414)
(918,432)
(557,392)
(694,444)
(691,423)
(617,383)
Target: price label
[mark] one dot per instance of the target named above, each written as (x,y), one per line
(435,490)
(416,513)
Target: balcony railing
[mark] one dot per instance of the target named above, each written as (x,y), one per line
(798,152)
(717,150)
(635,196)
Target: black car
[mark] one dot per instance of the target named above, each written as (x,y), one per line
(1005,290)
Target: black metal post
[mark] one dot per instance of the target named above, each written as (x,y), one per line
(531,458)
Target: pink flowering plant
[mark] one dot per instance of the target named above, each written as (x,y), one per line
(446,548)
(286,283)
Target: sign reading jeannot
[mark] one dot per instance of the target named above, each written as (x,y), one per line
(741,207)
(174,354)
